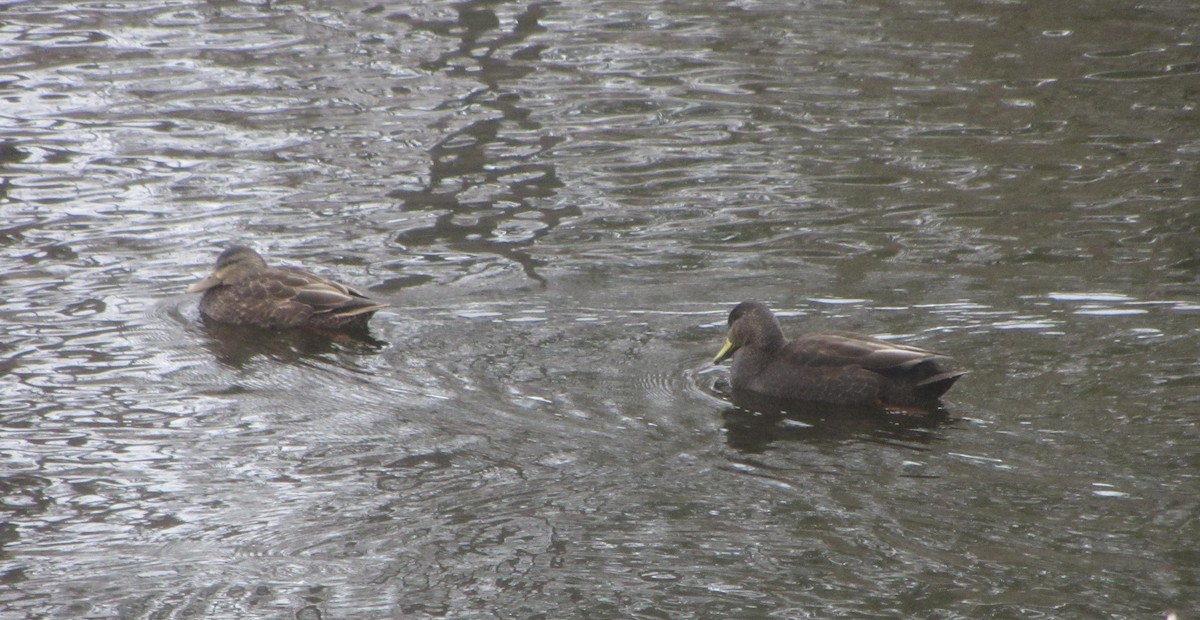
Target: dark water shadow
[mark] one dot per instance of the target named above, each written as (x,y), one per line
(489,184)
(756,422)
(235,346)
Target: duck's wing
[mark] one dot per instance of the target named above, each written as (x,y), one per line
(843,349)
(298,286)
(900,364)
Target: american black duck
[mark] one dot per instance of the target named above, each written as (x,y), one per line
(243,290)
(838,368)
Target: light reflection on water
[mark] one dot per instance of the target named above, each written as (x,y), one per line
(562,203)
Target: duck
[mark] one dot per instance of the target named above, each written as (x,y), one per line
(839,368)
(243,290)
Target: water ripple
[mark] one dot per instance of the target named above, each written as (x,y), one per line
(561,202)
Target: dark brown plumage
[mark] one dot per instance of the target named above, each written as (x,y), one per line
(243,290)
(838,368)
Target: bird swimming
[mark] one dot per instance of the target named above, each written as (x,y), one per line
(838,368)
(243,290)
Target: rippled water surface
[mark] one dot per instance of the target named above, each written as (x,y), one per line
(562,201)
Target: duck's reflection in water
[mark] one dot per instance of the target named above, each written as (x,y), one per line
(755,422)
(235,346)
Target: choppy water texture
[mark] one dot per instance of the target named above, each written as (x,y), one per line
(562,200)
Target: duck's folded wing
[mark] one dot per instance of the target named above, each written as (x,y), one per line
(899,358)
(335,298)
(855,350)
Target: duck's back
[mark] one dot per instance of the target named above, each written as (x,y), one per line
(283,298)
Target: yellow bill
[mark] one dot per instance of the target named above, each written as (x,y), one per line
(724,353)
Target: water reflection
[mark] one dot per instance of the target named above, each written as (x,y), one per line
(489,180)
(538,441)
(756,422)
(235,346)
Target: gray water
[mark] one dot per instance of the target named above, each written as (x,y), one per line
(562,201)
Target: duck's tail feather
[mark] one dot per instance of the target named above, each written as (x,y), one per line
(932,387)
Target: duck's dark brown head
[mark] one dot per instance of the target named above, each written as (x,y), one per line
(750,323)
(233,265)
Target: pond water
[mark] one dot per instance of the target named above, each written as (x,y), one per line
(562,201)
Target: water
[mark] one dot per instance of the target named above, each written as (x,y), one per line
(562,201)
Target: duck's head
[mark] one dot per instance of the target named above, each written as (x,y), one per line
(750,323)
(233,265)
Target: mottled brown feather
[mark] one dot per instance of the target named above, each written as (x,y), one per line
(243,290)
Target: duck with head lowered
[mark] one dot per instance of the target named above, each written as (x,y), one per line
(837,368)
(243,290)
